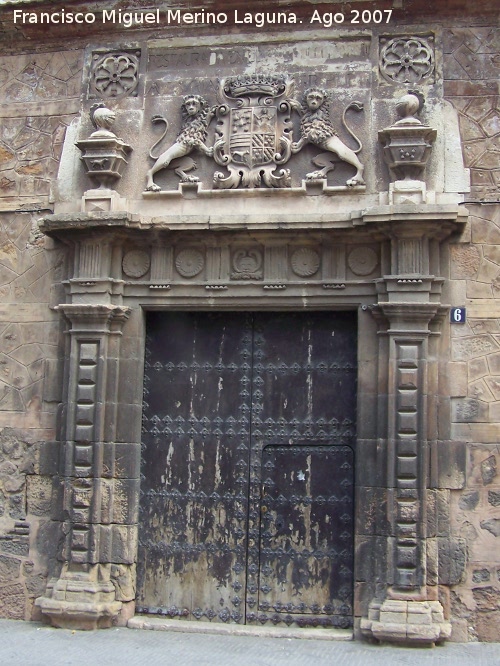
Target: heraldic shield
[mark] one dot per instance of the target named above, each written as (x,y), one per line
(254,131)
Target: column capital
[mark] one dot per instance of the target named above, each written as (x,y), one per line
(98,318)
(407,318)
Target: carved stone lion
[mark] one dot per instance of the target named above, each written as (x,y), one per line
(196,116)
(316,128)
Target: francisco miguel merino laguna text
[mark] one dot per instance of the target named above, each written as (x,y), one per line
(169,16)
(177,17)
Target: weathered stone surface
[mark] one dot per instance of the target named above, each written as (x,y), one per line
(49,539)
(14,545)
(465,261)
(486,598)
(492,525)
(49,458)
(485,231)
(462,607)
(489,470)
(419,623)
(9,569)
(469,410)
(39,495)
(487,624)
(12,602)
(494,497)
(469,348)
(123,578)
(374,517)
(452,560)
(451,464)
(36,584)
(469,501)
(477,369)
(480,575)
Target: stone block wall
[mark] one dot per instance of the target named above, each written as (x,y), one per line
(39,91)
(472,70)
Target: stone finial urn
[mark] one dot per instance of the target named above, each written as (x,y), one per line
(407,143)
(104,154)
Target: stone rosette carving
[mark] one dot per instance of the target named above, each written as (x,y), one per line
(114,74)
(406,59)
(362,261)
(305,262)
(136,263)
(189,262)
(247,264)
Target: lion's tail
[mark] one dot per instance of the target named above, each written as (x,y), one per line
(154,120)
(357,106)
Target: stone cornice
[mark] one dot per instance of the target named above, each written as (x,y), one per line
(435,218)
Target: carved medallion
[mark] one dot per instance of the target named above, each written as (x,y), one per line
(254,131)
(114,74)
(362,260)
(406,60)
(247,265)
(305,262)
(189,262)
(136,263)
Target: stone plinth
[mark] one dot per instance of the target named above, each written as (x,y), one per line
(408,622)
(81,600)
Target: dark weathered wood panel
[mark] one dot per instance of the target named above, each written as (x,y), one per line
(233,403)
(304,395)
(193,520)
(306,540)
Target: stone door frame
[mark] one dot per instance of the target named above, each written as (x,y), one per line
(119,268)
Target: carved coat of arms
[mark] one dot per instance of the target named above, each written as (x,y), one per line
(254,130)
(254,134)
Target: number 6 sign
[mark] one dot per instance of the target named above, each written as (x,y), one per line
(457,315)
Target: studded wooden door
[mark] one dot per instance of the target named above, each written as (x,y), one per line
(246,510)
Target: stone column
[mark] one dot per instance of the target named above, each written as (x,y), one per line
(98,480)
(408,611)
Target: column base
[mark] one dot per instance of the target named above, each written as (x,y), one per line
(408,622)
(78,600)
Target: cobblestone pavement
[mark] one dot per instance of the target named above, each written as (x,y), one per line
(31,644)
